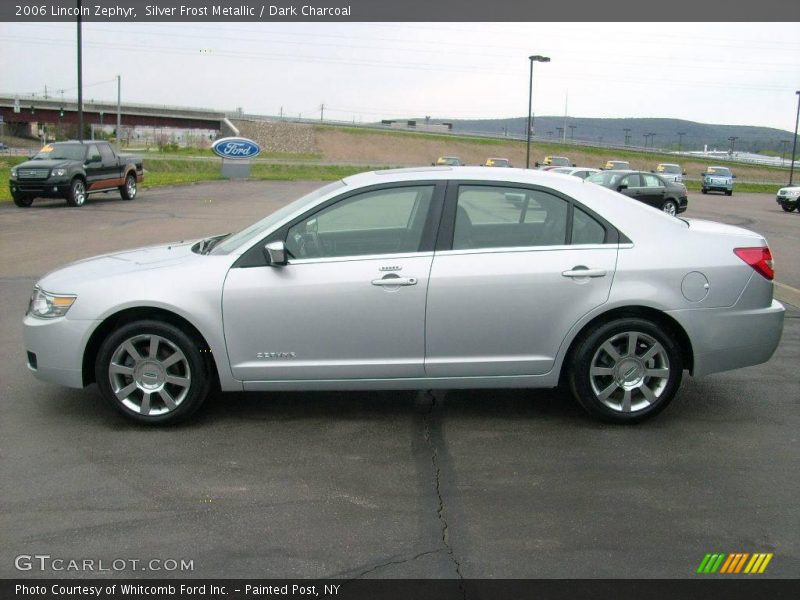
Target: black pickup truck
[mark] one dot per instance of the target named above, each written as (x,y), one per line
(73,170)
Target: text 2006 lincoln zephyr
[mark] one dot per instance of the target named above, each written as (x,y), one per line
(419,278)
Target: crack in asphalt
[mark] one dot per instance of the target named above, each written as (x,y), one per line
(395,562)
(441,509)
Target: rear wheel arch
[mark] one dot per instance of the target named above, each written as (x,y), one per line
(656,316)
(131,315)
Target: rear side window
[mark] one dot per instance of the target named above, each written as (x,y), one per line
(497,217)
(106,153)
(586,229)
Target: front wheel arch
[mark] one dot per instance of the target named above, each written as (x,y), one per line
(141,314)
(644,312)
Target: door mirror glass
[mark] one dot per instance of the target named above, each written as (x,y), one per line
(275,252)
(622,186)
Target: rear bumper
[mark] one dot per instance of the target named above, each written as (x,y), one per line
(730,338)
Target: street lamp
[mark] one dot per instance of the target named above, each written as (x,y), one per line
(533,59)
(794,143)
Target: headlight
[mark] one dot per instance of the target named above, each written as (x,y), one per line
(790,192)
(49,306)
(58,172)
(13,173)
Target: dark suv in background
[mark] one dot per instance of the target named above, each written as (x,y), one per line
(649,188)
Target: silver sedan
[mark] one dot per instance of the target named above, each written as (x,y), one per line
(446,277)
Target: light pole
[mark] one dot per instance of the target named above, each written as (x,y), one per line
(784,143)
(732,140)
(572,132)
(794,143)
(627,135)
(532,59)
(680,139)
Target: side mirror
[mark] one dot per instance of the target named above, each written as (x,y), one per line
(275,253)
(93,159)
(536,164)
(684,173)
(733,176)
(622,186)
(651,170)
(433,164)
(574,164)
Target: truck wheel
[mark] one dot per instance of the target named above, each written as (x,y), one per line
(128,191)
(77,193)
(22,200)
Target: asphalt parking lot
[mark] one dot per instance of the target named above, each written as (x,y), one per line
(497,484)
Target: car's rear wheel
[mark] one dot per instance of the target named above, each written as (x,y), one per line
(152,372)
(704,191)
(626,370)
(77,193)
(729,192)
(128,190)
(670,207)
(22,200)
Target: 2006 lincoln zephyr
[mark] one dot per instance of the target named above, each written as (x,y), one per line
(417,278)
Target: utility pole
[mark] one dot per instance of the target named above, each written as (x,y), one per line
(119,110)
(646,135)
(794,143)
(680,139)
(652,140)
(627,135)
(281,112)
(560,131)
(572,132)
(784,143)
(80,78)
(321,111)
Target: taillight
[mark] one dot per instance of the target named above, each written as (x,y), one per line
(759,258)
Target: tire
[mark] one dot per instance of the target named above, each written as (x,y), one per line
(128,190)
(729,192)
(152,372)
(617,388)
(22,200)
(785,207)
(704,191)
(670,207)
(77,192)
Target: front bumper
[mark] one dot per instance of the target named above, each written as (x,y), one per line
(58,346)
(788,201)
(717,186)
(53,187)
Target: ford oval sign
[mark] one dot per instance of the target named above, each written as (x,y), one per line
(235,147)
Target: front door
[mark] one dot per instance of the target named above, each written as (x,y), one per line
(350,303)
(523,267)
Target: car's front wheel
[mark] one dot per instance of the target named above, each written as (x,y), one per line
(77,192)
(729,192)
(152,372)
(670,207)
(788,207)
(626,370)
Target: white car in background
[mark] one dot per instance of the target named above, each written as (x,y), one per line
(670,172)
(582,172)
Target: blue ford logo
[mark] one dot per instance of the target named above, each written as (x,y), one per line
(235,147)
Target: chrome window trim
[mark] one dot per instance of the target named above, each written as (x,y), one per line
(358,257)
(553,248)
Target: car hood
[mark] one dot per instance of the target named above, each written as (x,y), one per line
(789,189)
(65,279)
(703,226)
(44,164)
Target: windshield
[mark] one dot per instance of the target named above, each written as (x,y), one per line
(605,178)
(671,169)
(446,160)
(61,152)
(559,161)
(719,171)
(230,244)
(566,170)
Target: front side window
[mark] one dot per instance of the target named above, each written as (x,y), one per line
(498,217)
(651,180)
(105,152)
(92,153)
(378,222)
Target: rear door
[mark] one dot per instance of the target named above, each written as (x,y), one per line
(110,170)
(515,268)
(94,168)
(653,190)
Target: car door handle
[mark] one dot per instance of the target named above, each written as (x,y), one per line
(584,272)
(393,281)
